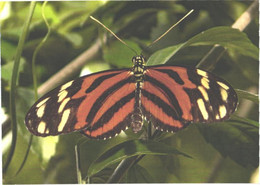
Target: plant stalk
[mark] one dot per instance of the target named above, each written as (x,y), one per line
(13,86)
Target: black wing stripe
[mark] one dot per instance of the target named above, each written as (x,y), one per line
(170,95)
(98,103)
(123,125)
(161,104)
(106,116)
(98,81)
(173,74)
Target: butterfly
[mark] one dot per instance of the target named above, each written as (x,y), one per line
(103,104)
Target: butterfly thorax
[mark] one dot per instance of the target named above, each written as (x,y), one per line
(138,68)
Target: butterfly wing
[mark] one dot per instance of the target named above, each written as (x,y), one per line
(84,103)
(173,97)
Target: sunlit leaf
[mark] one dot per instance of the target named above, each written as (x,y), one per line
(224,36)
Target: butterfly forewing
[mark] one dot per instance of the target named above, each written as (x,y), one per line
(79,104)
(103,104)
(173,97)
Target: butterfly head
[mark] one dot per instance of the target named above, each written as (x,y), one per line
(138,60)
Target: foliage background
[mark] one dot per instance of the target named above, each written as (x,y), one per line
(221,152)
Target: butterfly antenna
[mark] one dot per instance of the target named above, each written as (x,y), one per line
(170,29)
(113,34)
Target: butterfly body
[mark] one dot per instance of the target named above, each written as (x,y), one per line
(103,104)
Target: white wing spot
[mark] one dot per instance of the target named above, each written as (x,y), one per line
(40,111)
(66,85)
(41,127)
(224,94)
(222,111)
(202,73)
(205,82)
(63,104)
(42,102)
(223,85)
(204,93)
(202,108)
(62,95)
(64,119)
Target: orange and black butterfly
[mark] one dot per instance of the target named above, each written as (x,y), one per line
(103,104)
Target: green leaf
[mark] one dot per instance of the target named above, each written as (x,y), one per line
(139,174)
(8,49)
(128,149)
(246,121)
(163,55)
(239,141)
(224,36)
(120,55)
(7,70)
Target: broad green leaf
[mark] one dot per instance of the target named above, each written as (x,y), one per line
(163,55)
(224,36)
(129,149)
(139,174)
(247,68)
(120,55)
(237,140)
(228,38)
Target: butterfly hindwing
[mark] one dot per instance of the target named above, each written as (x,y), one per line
(103,104)
(84,103)
(173,97)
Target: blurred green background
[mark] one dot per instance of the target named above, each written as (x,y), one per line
(220,152)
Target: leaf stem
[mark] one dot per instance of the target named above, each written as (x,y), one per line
(35,81)
(13,85)
(37,51)
(121,169)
